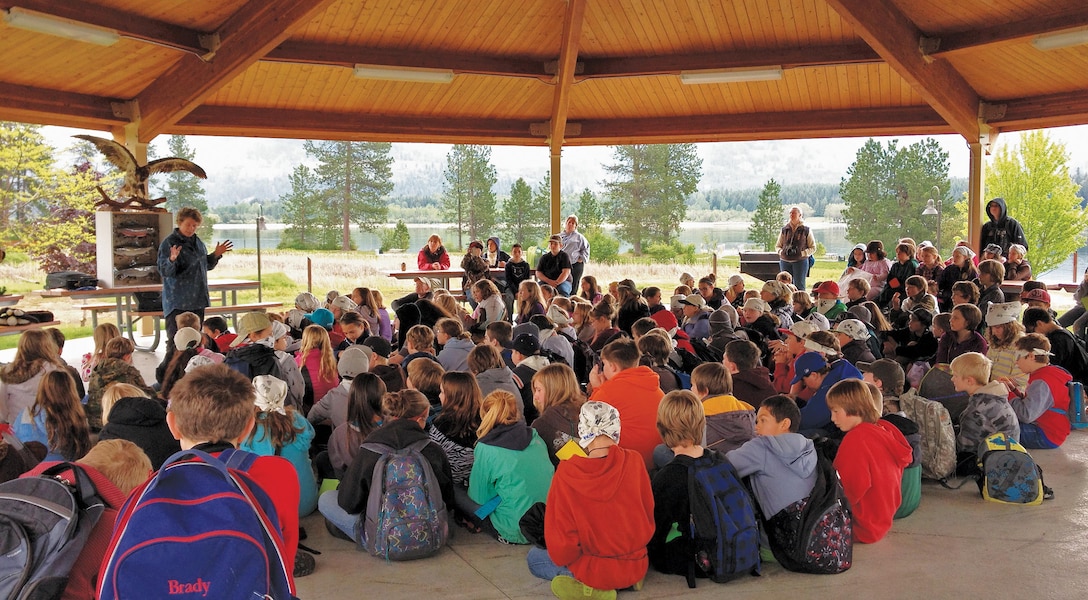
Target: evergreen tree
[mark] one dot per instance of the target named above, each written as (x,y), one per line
(310,223)
(468,197)
(182,188)
(395,238)
(886,189)
(1034,180)
(516,213)
(647,193)
(767,220)
(590,212)
(358,176)
(26,166)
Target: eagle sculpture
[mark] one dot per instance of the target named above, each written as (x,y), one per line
(133,194)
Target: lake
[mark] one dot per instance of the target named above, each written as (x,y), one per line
(725,238)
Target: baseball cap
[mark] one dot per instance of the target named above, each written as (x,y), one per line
(431,283)
(756,304)
(853,328)
(186,337)
(888,372)
(322,317)
(252,322)
(800,329)
(1036,294)
(676,301)
(527,344)
(694,300)
(555,238)
(806,364)
(344,303)
(826,287)
(352,361)
(378,345)
(734,280)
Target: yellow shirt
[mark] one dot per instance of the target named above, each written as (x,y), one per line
(713,405)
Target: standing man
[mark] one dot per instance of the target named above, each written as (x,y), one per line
(554,267)
(1001,229)
(577,248)
(184,263)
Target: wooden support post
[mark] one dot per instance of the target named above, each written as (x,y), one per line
(310,275)
(713,265)
(975,195)
(557,199)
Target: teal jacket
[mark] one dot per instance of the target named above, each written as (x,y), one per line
(511,463)
(298,452)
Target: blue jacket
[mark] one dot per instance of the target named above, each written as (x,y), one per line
(816,415)
(185,281)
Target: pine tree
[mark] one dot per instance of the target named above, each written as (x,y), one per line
(767,220)
(515,212)
(182,188)
(590,212)
(26,166)
(358,176)
(647,193)
(468,197)
(310,224)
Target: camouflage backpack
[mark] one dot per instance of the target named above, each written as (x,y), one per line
(938,437)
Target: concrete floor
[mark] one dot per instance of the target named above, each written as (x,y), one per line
(954,546)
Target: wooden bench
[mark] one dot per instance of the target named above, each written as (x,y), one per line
(16,329)
(763,265)
(93,309)
(233,310)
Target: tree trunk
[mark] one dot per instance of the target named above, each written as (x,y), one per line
(345,242)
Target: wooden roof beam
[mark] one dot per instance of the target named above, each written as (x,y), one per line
(952,43)
(126,24)
(257,27)
(51,107)
(845,54)
(568,59)
(315,53)
(920,120)
(306,124)
(888,31)
(1052,110)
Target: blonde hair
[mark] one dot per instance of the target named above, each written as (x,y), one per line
(420,338)
(116,391)
(534,295)
(188,319)
(973,365)
(500,407)
(680,418)
(315,338)
(560,387)
(712,378)
(425,375)
(125,464)
(102,334)
(855,399)
(213,404)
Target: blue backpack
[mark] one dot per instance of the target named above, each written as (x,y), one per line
(724,532)
(198,527)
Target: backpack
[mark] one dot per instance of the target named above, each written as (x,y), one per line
(405,515)
(816,535)
(682,379)
(705,352)
(724,534)
(938,437)
(44,524)
(584,358)
(1078,417)
(201,527)
(1009,475)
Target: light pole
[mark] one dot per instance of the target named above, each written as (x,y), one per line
(933,207)
(260,226)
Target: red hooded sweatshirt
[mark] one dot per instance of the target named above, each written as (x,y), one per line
(870,462)
(635,393)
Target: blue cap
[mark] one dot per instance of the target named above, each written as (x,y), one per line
(322,317)
(806,364)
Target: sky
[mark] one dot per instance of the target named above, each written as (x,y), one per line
(789,161)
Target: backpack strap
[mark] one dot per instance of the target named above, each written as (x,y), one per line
(82,483)
(239,460)
(29,460)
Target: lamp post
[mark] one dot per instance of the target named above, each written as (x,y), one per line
(260,226)
(933,207)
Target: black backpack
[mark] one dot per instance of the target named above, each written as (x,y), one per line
(584,358)
(723,527)
(44,524)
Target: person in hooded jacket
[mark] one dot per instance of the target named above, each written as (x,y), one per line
(600,514)
(129,414)
(815,370)
(455,343)
(634,390)
(405,416)
(511,463)
(487,365)
(1001,229)
(870,459)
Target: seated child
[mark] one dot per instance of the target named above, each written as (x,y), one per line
(870,459)
(585,558)
(1042,406)
(211,409)
(987,412)
(333,406)
(910,487)
(115,467)
(729,421)
(405,415)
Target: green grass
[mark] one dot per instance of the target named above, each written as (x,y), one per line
(70,332)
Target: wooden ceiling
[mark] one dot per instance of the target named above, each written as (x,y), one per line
(549,72)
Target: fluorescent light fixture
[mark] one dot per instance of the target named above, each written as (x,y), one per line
(416,74)
(731,75)
(21,18)
(1061,39)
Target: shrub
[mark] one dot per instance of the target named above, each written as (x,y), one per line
(674,252)
(395,238)
(603,248)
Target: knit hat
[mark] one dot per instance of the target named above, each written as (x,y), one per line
(186,338)
(1002,313)
(598,418)
(756,304)
(806,364)
(322,317)
(888,372)
(378,345)
(694,300)
(353,360)
(826,287)
(1036,294)
(854,329)
(271,393)
(307,302)
(344,303)
(667,321)
(251,322)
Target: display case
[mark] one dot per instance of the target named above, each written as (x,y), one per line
(128,245)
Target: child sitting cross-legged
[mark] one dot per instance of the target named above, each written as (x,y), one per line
(1042,406)
(987,412)
(870,459)
(599,514)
